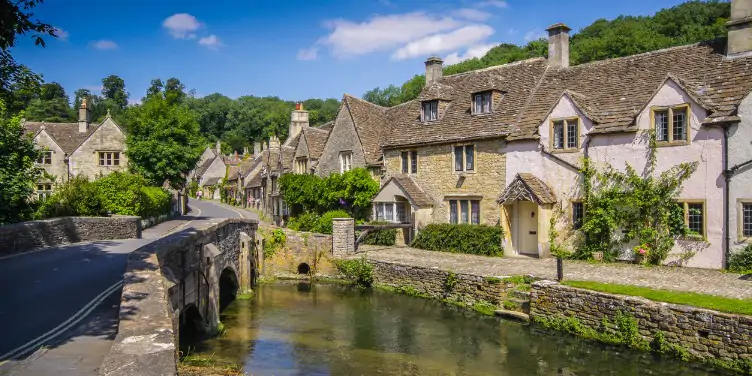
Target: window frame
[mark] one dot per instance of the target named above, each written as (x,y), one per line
(670,125)
(345,164)
(114,157)
(43,190)
(565,135)
(301,165)
(685,206)
(458,207)
(741,237)
(482,95)
(423,104)
(45,157)
(409,161)
(464,169)
(572,212)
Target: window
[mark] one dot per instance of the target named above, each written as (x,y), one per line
(746,219)
(301,166)
(45,157)
(464,211)
(44,190)
(694,216)
(565,134)
(671,124)
(578,214)
(430,110)
(464,158)
(409,162)
(109,158)
(345,161)
(482,103)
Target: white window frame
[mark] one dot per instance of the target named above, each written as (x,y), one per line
(433,110)
(464,148)
(43,191)
(482,103)
(345,161)
(669,110)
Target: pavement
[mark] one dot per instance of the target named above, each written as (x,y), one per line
(59,305)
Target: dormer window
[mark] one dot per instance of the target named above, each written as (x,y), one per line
(565,134)
(482,103)
(430,111)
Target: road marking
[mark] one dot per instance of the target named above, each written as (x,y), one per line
(60,329)
(181,226)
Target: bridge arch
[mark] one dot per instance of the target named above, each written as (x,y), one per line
(228,287)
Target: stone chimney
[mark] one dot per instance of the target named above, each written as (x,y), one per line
(558,45)
(256,149)
(273,143)
(298,121)
(434,69)
(739,29)
(84,116)
(218,148)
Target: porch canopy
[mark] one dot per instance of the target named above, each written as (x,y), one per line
(401,187)
(527,187)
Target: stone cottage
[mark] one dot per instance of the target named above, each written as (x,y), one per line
(210,171)
(82,148)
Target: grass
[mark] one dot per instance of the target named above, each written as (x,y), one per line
(245,295)
(718,303)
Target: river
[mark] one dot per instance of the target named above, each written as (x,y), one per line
(299,329)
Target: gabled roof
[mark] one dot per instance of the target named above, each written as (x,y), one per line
(211,181)
(233,173)
(326,126)
(255,182)
(248,165)
(370,123)
(411,189)
(315,140)
(288,154)
(437,90)
(527,187)
(200,170)
(66,135)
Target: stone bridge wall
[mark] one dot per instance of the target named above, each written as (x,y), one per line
(26,236)
(166,276)
(312,249)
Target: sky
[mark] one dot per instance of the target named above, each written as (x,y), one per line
(293,49)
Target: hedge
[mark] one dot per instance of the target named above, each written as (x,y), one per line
(461,238)
(380,237)
(304,222)
(324,223)
(741,261)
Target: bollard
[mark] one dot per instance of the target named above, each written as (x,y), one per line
(559,269)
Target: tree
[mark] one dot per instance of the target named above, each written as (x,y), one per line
(156,88)
(54,110)
(52,90)
(95,103)
(174,91)
(113,89)
(17,169)
(163,141)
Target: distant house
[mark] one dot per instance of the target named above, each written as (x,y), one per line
(209,172)
(82,148)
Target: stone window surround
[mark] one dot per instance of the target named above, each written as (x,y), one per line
(740,202)
(43,190)
(684,202)
(412,161)
(671,142)
(45,157)
(464,161)
(102,155)
(571,212)
(474,99)
(464,197)
(301,165)
(565,136)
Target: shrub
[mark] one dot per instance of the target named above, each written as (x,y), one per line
(741,262)
(121,193)
(304,222)
(461,238)
(381,237)
(351,191)
(77,197)
(158,200)
(274,242)
(359,271)
(324,224)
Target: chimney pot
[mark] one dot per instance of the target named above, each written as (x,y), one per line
(434,69)
(84,116)
(739,26)
(558,45)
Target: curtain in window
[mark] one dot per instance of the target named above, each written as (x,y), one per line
(558,135)
(475,212)
(401,212)
(487,102)
(414,162)
(389,211)
(464,211)
(469,157)
(379,209)
(478,103)
(452,211)
(458,158)
(661,125)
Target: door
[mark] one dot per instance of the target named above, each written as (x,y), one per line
(527,231)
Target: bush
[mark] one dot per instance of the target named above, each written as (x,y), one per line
(121,193)
(741,262)
(159,202)
(77,197)
(303,222)
(324,224)
(351,191)
(274,241)
(461,238)
(359,272)
(380,237)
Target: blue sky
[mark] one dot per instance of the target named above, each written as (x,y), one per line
(293,49)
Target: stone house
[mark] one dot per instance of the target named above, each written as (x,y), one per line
(210,171)
(82,148)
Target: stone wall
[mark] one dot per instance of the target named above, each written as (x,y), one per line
(347,140)
(26,236)
(314,250)
(705,333)
(107,138)
(343,237)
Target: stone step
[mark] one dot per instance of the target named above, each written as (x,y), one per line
(513,315)
(519,294)
(520,305)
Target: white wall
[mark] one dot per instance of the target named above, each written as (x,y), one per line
(740,151)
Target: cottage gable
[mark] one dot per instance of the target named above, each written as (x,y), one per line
(345,139)
(102,152)
(214,172)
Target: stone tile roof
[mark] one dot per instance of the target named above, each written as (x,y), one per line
(326,126)
(288,155)
(200,170)
(255,182)
(248,165)
(410,187)
(233,173)
(66,135)
(316,140)
(211,181)
(527,187)
(370,123)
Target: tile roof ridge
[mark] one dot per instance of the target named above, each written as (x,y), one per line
(404,103)
(315,129)
(643,54)
(514,63)
(363,100)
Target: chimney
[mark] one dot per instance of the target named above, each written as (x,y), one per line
(739,29)
(84,116)
(273,143)
(298,121)
(256,149)
(558,45)
(434,69)
(219,148)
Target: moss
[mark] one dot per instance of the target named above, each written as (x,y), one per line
(202,365)
(484,307)
(510,305)
(519,280)
(245,295)
(492,280)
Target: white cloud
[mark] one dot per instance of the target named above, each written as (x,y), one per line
(182,25)
(308,53)
(104,45)
(61,34)
(474,51)
(495,3)
(472,14)
(382,32)
(460,38)
(211,42)
(512,31)
(534,35)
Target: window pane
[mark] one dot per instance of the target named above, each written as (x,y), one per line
(747,219)
(469,157)
(680,124)
(458,158)
(434,110)
(404,162)
(478,103)
(661,125)
(559,135)
(487,102)
(116,159)
(572,133)
(414,162)
(577,214)
(401,212)
(694,218)
(475,212)
(464,211)
(452,211)
(389,211)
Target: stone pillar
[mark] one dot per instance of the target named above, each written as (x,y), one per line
(558,45)
(343,237)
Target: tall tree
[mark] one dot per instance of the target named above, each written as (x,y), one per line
(17,169)
(113,88)
(52,105)
(174,91)
(156,88)
(52,90)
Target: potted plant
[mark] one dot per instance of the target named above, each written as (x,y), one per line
(641,253)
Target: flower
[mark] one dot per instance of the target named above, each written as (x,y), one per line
(642,251)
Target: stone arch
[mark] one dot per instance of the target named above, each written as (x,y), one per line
(304,268)
(228,287)
(191,324)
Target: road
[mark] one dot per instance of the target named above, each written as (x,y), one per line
(74,291)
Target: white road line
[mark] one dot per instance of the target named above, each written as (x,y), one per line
(72,321)
(180,227)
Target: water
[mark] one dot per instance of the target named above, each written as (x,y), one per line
(296,329)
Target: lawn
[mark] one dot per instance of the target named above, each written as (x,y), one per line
(718,303)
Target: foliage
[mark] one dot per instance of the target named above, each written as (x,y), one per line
(357,271)
(18,172)
(380,237)
(450,281)
(741,261)
(274,241)
(718,303)
(192,188)
(484,307)
(113,88)
(304,222)
(324,224)
(77,197)
(691,22)
(159,202)
(461,238)
(351,191)
(163,143)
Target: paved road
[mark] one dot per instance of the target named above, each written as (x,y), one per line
(40,291)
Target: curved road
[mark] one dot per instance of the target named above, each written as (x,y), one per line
(41,290)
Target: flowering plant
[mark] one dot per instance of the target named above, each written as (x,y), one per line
(641,252)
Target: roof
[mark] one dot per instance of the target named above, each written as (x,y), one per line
(527,187)
(233,173)
(326,126)
(370,123)
(211,181)
(200,170)
(66,135)
(248,165)
(255,182)
(315,140)
(412,190)
(288,155)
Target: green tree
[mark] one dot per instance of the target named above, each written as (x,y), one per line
(54,110)
(174,91)
(113,89)
(155,88)
(17,169)
(52,90)
(163,141)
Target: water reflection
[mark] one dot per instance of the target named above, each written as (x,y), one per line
(292,329)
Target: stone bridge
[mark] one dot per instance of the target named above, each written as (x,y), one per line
(180,282)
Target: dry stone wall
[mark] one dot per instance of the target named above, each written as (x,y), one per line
(312,249)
